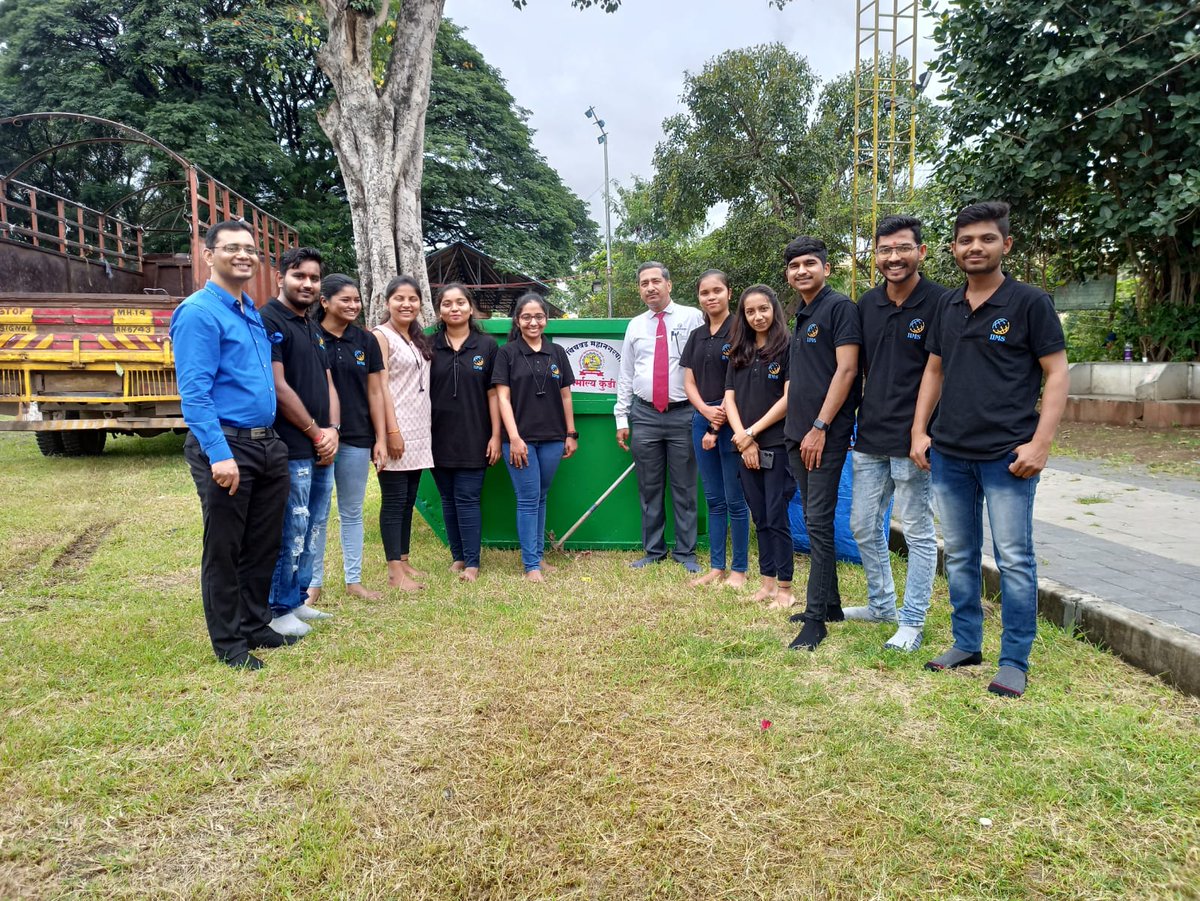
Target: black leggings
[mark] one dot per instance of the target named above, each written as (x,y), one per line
(398,491)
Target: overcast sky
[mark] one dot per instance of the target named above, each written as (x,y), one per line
(558,61)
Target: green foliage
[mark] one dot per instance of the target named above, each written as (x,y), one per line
(233,86)
(1085,118)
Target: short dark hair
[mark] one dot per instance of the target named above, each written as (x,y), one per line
(987,211)
(466,292)
(226,225)
(653,264)
(712,273)
(415,333)
(292,258)
(523,301)
(889,225)
(804,246)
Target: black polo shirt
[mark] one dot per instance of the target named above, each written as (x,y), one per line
(352,358)
(756,388)
(991,375)
(534,380)
(300,347)
(824,325)
(459,381)
(894,354)
(707,355)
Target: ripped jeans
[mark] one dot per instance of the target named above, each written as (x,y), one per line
(304,521)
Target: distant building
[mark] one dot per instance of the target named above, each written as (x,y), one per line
(496,286)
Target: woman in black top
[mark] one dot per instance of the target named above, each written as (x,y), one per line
(356,365)
(466,422)
(756,391)
(533,381)
(704,359)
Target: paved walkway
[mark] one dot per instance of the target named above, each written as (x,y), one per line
(1124,535)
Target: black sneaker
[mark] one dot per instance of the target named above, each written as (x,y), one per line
(811,634)
(243,661)
(272,639)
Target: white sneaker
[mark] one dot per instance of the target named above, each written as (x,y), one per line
(867,615)
(290,624)
(305,613)
(907,639)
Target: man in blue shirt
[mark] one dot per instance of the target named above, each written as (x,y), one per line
(239,464)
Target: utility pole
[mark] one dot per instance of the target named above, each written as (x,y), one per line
(602,140)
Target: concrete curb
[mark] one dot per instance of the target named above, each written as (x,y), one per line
(1158,648)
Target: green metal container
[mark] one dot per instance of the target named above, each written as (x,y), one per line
(594,346)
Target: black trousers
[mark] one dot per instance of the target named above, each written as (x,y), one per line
(241,540)
(768,493)
(819,494)
(397,495)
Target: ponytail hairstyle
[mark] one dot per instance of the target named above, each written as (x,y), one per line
(415,333)
(724,280)
(742,336)
(331,285)
(472,323)
(523,301)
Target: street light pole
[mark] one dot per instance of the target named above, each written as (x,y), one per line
(602,140)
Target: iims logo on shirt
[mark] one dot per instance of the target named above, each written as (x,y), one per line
(477,362)
(725,349)
(773,370)
(360,358)
(916,329)
(555,372)
(811,334)
(999,330)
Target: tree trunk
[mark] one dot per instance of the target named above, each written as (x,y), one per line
(377,128)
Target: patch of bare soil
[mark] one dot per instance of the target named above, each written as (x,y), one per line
(1168,450)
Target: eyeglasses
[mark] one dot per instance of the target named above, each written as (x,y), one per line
(234,249)
(532,317)
(901,249)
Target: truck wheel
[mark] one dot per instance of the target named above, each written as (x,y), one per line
(49,443)
(83,444)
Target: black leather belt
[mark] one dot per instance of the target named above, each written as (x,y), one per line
(251,434)
(674,405)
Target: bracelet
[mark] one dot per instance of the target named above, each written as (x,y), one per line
(304,431)
(714,431)
(394,432)
(574,435)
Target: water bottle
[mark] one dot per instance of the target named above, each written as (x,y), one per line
(1128,352)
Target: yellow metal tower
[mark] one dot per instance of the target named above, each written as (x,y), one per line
(883,134)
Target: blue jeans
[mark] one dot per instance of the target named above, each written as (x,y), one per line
(461,489)
(350,468)
(532,485)
(961,486)
(303,530)
(876,480)
(727,510)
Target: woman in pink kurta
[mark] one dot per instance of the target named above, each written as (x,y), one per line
(406,356)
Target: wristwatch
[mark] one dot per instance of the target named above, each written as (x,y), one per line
(750,432)
(820,425)
(574,435)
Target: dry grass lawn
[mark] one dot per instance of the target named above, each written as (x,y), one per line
(596,737)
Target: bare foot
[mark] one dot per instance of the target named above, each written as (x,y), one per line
(548,567)
(766,592)
(469,574)
(713,575)
(783,599)
(457,566)
(411,570)
(534,575)
(359,592)
(314,595)
(404,583)
(735,580)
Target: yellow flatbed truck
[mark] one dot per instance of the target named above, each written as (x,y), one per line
(85,311)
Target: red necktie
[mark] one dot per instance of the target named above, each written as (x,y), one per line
(662,386)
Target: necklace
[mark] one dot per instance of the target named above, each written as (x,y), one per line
(420,361)
(539,386)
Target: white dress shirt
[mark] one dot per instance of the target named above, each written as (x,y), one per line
(636,376)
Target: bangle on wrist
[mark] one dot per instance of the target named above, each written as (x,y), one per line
(393,431)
